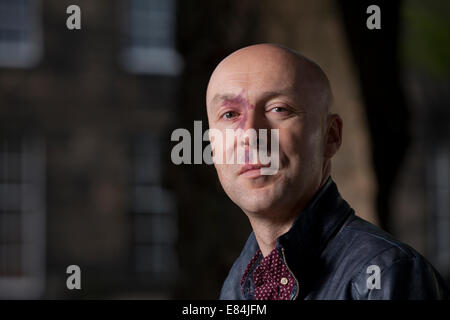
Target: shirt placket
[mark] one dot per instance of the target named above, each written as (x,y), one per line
(296,287)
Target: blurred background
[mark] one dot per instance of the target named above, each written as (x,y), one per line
(86,118)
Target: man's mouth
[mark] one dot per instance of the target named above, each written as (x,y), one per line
(252,170)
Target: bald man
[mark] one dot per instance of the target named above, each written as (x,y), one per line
(306,242)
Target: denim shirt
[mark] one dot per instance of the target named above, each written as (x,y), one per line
(332,254)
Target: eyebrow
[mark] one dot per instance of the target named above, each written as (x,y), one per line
(264,97)
(272,94)
(222,97)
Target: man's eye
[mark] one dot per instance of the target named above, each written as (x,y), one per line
(279,109)
(229,115)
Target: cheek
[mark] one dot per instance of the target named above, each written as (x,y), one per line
(224,175)
(291,143)
(299,147)
(223,150)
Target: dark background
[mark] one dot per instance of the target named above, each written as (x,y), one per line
(86,118)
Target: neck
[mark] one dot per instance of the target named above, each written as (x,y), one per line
(269,227)
(267,231)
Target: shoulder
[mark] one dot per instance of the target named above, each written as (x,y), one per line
(375,241)
(385,268)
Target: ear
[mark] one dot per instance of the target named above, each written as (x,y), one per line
(333,135)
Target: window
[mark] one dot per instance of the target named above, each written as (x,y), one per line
(22,216)
(20,33)
(154,214)
(150,38)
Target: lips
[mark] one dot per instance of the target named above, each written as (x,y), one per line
(249,167)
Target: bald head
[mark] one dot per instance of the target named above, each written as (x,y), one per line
(270,64)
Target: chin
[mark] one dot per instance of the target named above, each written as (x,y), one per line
(258,199)
(258,194)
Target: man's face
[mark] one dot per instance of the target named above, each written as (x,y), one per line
(251,91)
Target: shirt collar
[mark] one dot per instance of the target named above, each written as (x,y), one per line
(313,228)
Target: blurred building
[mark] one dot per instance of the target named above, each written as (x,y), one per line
(86,118)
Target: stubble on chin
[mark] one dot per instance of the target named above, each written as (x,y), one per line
(254,199)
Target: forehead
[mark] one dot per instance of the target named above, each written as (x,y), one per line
(255,77)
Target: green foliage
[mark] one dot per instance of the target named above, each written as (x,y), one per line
(426,41)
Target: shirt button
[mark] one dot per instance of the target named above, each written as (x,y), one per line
(284,281)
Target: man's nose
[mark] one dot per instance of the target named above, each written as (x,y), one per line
(253,123)
(254,120)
